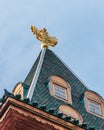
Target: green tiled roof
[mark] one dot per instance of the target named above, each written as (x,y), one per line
(52,65)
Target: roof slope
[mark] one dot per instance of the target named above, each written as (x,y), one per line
(52,65)
(30,75)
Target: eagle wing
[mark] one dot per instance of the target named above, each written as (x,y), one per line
(36,32)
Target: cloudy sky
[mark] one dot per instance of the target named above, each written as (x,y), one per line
(78,25)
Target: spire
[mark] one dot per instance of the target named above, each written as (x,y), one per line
(46,41)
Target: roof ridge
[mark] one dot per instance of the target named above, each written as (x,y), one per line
(36,74)
(29,74)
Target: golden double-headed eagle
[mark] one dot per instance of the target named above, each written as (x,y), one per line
(44,37)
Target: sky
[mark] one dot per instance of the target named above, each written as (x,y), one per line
(78,26)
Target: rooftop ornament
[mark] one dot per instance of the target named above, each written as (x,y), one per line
(44,37)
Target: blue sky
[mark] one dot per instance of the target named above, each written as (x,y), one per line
(78,25)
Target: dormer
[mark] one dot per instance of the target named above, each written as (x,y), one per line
(60,89)
(94,103)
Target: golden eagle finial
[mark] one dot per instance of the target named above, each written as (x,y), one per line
(44,37)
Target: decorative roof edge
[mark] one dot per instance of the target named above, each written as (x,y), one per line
(40,111)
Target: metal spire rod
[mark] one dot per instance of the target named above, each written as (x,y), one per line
(36,75)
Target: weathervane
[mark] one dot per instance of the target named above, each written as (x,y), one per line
(44,37)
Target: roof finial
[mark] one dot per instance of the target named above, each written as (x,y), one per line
(44,37)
